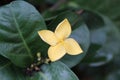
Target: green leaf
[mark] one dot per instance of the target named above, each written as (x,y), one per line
(56,71)
(92,19)
(7,72)
(52,71)
(60,70)
(19,40)
(107,39)
(80,34)
(71,16)
(49,14)
(3,61)
(109,8)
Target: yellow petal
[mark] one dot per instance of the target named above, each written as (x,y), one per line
(56,52)
(48,36)
(63,29)
(72,47)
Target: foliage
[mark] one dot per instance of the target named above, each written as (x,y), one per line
(95,26)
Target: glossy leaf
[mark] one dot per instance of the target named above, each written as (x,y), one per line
(10,72)
(54,71)
(58,71)
(19,40)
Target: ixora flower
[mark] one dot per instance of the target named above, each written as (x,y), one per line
(59,42)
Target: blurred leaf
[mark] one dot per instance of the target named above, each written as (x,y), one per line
(48,14)
(108,37)
(80,34)
(92,19)
(19,41)
(109,8)
(71,16)
(114,76)
(91,52)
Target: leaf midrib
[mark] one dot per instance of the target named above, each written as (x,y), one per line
(19,31)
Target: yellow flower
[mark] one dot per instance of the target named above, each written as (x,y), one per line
(59,42)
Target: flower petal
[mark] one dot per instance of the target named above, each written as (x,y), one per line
(48,36)
(63,29)
(56,52)
(72,47)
